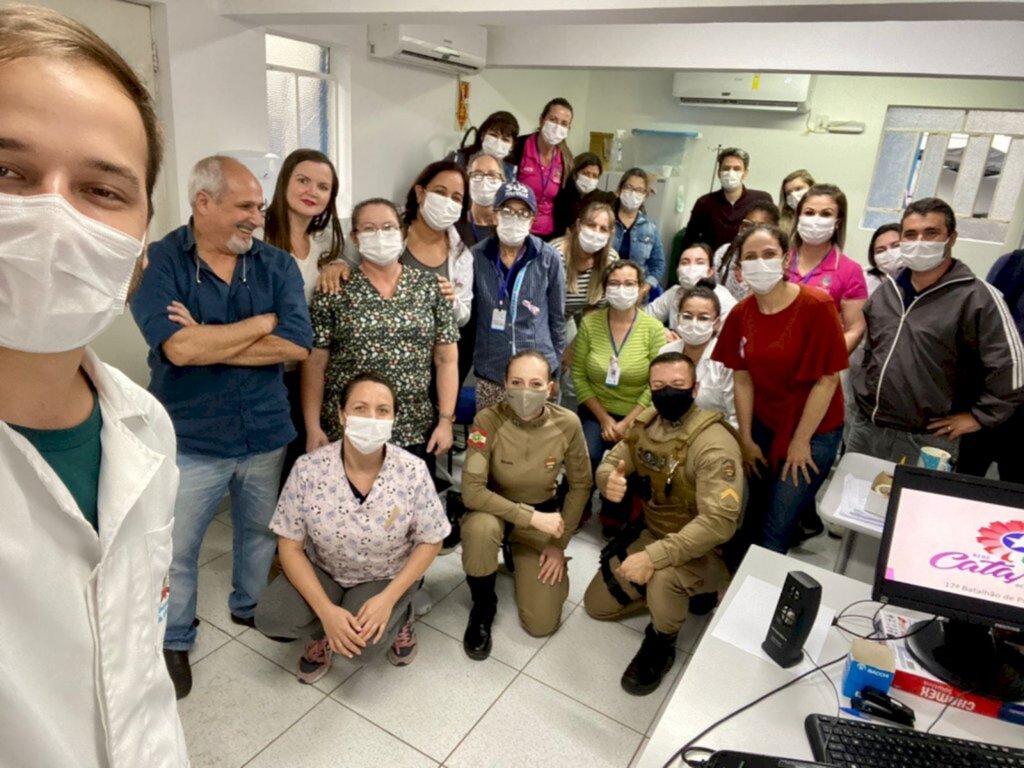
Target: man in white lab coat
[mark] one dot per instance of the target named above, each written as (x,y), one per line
(87,470)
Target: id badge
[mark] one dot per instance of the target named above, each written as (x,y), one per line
(611,379)
(498,319)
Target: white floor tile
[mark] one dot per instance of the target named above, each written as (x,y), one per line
(512,644)
(639,751)
(432,703)
(208,640)
(586,556)
(689,635)
(216,542)
(669,683)
(444,575)
(585,660)
(533,725)
(214,588)
(240,702)
(286,656)
(332,736)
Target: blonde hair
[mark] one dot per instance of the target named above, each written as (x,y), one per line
(787,215)
(601,258)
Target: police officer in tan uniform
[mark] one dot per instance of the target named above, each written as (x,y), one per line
(688,468)
(517,450)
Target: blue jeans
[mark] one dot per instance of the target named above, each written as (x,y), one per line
(775,503)
(253,483)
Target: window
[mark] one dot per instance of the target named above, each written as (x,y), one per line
(973,159)
(301,97)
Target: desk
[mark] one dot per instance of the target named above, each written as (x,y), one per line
(865,468)
(721,678)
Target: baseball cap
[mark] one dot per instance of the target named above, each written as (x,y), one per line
(515,190)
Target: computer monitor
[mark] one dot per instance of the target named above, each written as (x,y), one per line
(953,546)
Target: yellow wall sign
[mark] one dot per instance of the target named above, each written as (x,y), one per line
(756,85)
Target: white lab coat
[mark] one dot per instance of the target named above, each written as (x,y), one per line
(82,617)
(666,307)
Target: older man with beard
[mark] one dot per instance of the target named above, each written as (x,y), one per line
(221,312)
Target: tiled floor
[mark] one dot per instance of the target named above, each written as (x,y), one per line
(551,701)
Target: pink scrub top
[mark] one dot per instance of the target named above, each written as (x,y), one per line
(838,275)
(545,181)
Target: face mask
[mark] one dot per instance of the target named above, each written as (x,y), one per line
(553,133)
(367,435)
(482,191)
(495,147)
(585,184)
(513,231)
(815,230)
(695,332)
(922,255)
(592,241)
(731,180)
(888,260)
(631,200)
(440,212)
(761,274)
(793,198)
(621,297)
(63,276)
(526,403)
(381,247)
(689,274)
(671,403)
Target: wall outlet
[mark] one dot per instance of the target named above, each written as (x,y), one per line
(821,125)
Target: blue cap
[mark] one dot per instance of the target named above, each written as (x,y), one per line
(515,190)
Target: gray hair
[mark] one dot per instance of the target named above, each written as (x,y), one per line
(734,152)
(207,176)
(478,155)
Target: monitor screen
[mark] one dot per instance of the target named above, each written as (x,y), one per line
(954,546)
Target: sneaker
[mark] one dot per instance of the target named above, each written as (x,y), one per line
(315,662)
(404,649)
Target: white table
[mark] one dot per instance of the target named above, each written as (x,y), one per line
(721,678)
(865,468)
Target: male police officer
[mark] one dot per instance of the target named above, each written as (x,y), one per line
(689,467)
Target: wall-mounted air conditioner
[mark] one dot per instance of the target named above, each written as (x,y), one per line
(738,90)
(462,50)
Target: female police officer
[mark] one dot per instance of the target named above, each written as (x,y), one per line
(510,485)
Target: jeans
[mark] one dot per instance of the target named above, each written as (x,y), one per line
(892,444)
(612,515)
(775,503)
(253,484)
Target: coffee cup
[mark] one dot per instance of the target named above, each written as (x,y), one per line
(934,458)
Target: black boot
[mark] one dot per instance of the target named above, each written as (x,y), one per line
(180,671)
(645,672)
(477,640)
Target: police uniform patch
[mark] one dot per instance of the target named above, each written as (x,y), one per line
(477,438)
(728,469)
(729,493)
(549,463)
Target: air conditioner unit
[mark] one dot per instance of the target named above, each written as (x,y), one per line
(461,50)
(737,90)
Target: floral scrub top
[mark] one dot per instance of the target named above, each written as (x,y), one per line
(394,338)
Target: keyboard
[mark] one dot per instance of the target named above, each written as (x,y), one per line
(855,744)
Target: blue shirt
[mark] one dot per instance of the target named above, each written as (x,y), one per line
(221,410)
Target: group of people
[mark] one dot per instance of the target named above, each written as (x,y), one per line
(314,380)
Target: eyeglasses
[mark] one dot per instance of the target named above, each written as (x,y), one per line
(480,176)
(631,188)
(512,213)
(370,229)
(623,284)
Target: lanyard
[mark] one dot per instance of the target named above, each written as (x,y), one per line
(814,271)
(611,336)
(504,283)
(472,224)
(556,155)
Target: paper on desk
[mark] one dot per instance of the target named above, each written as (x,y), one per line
(855,497)
(746,622)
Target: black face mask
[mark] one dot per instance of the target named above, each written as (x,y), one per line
(671,403)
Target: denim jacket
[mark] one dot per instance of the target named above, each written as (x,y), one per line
(535,305)
(644,247)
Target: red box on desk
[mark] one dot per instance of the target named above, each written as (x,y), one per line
(914,679)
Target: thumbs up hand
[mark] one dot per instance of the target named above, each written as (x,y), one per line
(615,486)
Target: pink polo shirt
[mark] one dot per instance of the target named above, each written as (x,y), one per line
(838,275)
(545,181)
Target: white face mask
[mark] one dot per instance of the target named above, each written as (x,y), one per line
(63,276)
(482,191)
(922,255)
(495,147)
(731,180)
(632,200)
(888,260)
(793,198)
(592,241)
(440,212)
(586,184)
(761,275)
(620,297)
(689,274)
(367,435)
(381,247)
(513,231)
(553,132)
(815,230)
(695,332)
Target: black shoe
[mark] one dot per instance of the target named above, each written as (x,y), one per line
(703,604)
(476,642)
(654,659)
(180,670)
(247,621)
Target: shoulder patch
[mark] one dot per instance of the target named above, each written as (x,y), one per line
(477,438)
(728,469)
